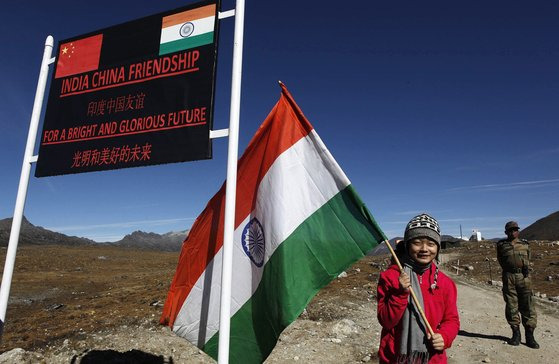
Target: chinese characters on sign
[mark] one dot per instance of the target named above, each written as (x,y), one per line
(115,155)
(136,94)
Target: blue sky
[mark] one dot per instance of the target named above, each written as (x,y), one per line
(442,107)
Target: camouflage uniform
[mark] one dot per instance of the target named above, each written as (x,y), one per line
(514,258)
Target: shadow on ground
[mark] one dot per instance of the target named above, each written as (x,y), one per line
(114,357)
(482,336)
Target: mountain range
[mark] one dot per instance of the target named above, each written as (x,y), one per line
(36,235)
(546,228)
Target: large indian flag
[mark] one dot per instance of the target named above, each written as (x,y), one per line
(298,224)
(187,29)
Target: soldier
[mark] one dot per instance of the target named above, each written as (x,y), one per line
(514,257)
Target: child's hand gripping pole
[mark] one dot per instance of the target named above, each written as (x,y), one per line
(413,296)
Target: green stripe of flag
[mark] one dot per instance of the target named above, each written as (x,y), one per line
(186,43)
(335,236)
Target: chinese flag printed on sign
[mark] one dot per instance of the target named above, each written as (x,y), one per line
(79,56)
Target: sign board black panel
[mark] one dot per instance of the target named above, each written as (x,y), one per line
(135,94)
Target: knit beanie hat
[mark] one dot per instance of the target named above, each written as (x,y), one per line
(423,226)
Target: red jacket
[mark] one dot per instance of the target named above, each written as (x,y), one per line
(439,306)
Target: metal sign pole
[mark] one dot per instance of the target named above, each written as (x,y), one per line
(231,186)
(28,158)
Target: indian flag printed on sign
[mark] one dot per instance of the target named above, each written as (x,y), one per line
(188,29)
(298,224)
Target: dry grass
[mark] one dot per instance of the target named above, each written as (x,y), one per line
(64,291)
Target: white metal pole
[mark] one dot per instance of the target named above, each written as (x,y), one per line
(24,181)
(231,186)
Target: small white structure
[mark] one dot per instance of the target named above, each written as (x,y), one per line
(476,235)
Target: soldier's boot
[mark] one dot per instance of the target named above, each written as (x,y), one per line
(515,339)
(530,341)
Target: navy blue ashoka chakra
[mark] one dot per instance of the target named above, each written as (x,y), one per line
(252,240)
(186,29)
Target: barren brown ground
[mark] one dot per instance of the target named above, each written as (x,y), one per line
(482,256)
(69,303)
(63,291)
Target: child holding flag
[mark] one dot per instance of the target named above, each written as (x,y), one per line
(404,337)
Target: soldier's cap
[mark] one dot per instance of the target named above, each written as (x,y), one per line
(511,225)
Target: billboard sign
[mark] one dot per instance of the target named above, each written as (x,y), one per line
(136,94)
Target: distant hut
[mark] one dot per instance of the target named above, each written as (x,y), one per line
(450,242)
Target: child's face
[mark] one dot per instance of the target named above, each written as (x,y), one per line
(422,250)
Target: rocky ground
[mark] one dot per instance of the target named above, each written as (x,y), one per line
(101,304)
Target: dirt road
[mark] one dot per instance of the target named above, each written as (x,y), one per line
(484,330)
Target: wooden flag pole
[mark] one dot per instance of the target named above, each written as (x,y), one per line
(413,296)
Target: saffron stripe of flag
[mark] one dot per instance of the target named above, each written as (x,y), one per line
(189,15)
(299,223)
